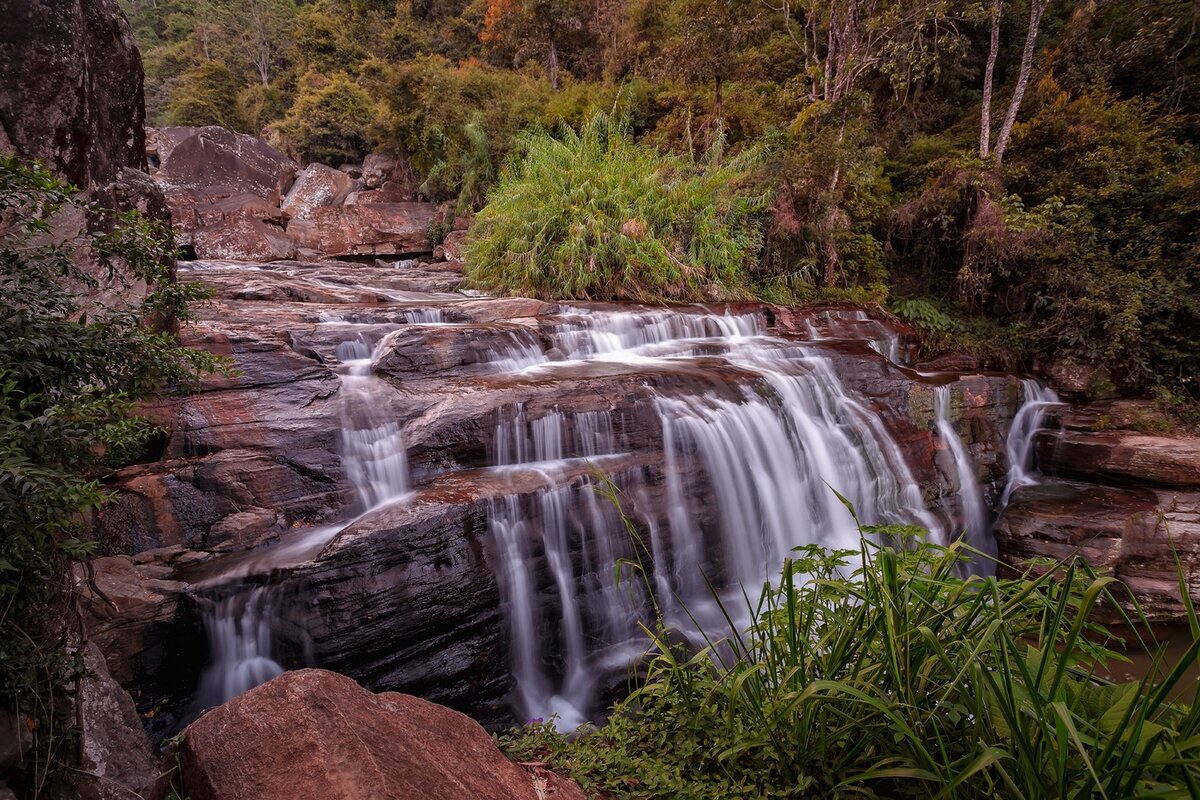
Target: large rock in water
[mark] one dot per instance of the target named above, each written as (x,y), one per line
(224,191)
(374,229)
(316,734)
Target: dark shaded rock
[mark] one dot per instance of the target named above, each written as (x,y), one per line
(316,734)
(1076,380)
(115,758)
(72,79)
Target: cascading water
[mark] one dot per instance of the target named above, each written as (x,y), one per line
(767,457)
(581,539)
(238,622)
(1030,418)
(976,527)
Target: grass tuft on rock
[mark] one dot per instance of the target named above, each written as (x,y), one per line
(592,215)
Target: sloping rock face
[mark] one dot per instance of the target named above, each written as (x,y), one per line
(312,733)
(221,163)
(1127,501)
(374,228)
(317,186)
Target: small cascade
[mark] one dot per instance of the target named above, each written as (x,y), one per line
(239,635)
(581,334)
(589,614)
(1030,418)
(424,316)
(238,623)
(975,527)
(839,323)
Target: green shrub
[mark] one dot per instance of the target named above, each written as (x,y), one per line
(594,215)
(70,374)
(330,120)
(881,674)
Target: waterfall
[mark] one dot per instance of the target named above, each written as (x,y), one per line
(764,455)
(238,628)
(592,615)
(238,624)
(1030,418)
(976,528)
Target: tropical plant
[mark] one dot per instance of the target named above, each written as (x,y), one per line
(72,367)
(591,214)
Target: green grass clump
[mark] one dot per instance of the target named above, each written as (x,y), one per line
(901,680)
(593,215)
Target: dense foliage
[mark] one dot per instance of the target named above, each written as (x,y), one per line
(75,356)
(884,675)
(593,214)
(1032,163)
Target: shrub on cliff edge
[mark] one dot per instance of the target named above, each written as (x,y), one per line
(593,215)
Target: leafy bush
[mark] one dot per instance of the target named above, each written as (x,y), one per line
(70,373)
(330,120)
(882,674)
(594,215)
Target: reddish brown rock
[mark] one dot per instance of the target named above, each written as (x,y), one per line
(242,238)
(123,604)
(316,734)
(1121,457)
(1133,534)
(375,229)
(318,186)
(222,163)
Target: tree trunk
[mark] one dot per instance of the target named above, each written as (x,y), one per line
(985,126)
(552,66)
(1036,7)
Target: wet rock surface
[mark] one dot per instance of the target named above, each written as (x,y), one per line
(312,733)
(253,489)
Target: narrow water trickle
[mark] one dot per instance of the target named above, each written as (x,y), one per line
(1030,418)
(976,524)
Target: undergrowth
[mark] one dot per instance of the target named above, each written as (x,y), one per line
(594,215)
(882,674)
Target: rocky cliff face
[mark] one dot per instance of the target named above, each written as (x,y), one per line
(72,80)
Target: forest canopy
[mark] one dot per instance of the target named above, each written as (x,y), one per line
(1016,173)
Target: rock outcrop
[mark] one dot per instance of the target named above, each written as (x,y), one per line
(72,99)
(72,95)
(1127,502)
(316,734)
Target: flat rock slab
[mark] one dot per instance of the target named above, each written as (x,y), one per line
(315,734)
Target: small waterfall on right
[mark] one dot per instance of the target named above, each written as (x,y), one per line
(1030,418)
(976,528)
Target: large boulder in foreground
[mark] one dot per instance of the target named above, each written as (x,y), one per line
(317,734)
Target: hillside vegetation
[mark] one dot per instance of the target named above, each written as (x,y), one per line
(1021,172)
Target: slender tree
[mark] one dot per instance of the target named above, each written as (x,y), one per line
(985,125)
(1036,9)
